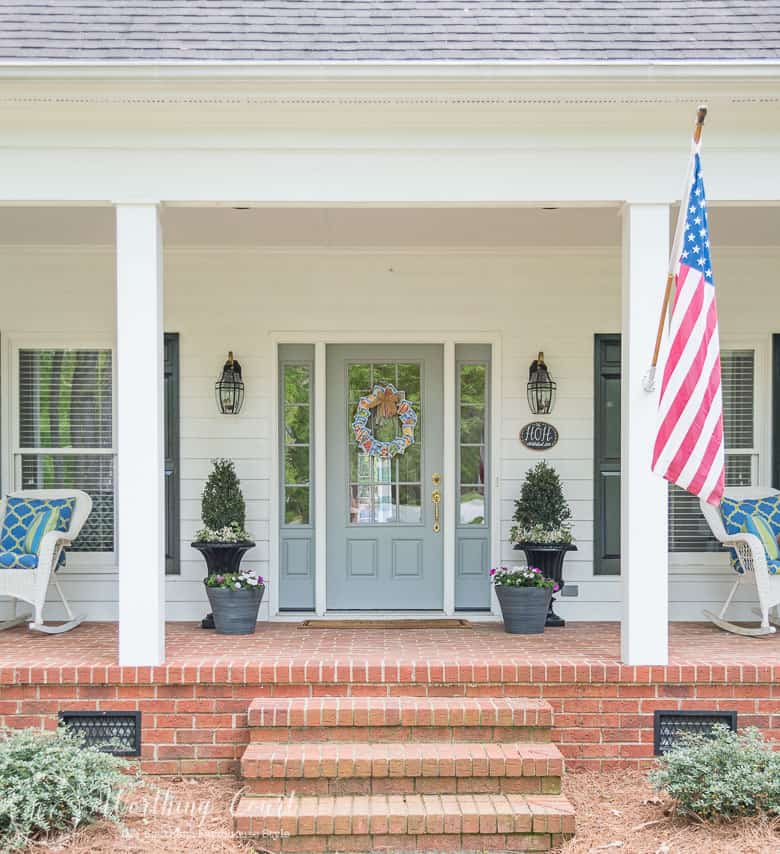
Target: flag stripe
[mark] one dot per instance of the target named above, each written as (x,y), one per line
(682,408)
(689,445)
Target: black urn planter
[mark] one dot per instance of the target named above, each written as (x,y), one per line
(221,558)
(548,558)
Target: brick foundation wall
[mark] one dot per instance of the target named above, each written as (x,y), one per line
(198,725)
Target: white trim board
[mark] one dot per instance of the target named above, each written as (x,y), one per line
(320,340)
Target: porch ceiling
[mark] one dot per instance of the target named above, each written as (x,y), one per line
(496,228)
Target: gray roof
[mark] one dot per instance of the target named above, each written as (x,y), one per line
(388,30)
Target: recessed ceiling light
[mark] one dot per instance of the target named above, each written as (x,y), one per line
(550,209)
(241,208)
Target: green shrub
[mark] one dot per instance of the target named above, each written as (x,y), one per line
(50,782)
(724,775)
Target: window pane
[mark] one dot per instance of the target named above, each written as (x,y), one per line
(296,505)
(739,469)
(296,425)
(472,468)
(472,505)
(65,399)
(472,425)
(296,383)
(472,383)
(737,369)
(93,474)
(296,465)
(688,529)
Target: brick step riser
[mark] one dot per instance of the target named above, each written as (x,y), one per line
(406,786)
(476,843)
(381,734)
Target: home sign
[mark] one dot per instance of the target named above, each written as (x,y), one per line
(539,436)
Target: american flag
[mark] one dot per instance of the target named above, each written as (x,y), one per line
(689,445)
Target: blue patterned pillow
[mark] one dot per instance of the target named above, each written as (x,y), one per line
(21,513)
(18,560)
(736,512)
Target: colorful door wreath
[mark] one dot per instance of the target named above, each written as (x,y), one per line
(390,403)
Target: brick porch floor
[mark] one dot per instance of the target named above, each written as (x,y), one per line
(280,646)
(195,706)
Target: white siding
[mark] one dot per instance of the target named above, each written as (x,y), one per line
(221,299)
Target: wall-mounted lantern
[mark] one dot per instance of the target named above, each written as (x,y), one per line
(541,387)
(229,388)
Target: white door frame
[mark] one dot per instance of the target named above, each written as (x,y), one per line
(448,340)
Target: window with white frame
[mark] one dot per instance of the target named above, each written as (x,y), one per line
(65,432)
(688,530)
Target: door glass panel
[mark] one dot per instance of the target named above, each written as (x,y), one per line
(296,465)
(384,490)
(472,425)
(296,425)
(409,465)
(472,412)
(409,505)
(409,381)
(296,383)
(359,381)
(384,374)
(472,469)
(296,505)
(472,505)
(297,428)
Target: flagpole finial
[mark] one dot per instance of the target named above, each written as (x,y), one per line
(701,114)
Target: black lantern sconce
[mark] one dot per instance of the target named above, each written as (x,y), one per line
(541,387)
(229,388)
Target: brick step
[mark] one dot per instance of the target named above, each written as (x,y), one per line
(401,768)
(487,719)
(462,822)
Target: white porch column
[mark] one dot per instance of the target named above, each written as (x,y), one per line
(140,484)
(644,556)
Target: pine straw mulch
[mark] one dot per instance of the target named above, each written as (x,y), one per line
(617,812)
(620,812)
(164,816)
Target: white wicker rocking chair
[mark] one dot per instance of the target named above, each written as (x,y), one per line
(753,560)
(30,585)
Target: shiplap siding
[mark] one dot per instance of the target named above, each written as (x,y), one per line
(221,299)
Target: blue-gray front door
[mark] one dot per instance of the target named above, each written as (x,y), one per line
(384,546)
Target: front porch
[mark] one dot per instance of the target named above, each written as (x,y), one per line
(195,707)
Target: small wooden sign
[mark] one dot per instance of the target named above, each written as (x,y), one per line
(539,436)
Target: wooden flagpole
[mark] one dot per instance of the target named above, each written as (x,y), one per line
(650,377)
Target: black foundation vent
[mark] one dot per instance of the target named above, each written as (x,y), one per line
(669,726)
(114,732)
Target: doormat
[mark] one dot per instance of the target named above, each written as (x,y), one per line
(385,624)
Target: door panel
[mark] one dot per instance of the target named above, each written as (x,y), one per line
(383,553)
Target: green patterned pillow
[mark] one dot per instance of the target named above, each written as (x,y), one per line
(759,526)
(45,520)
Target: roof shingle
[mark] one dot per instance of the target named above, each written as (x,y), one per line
(388,30)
